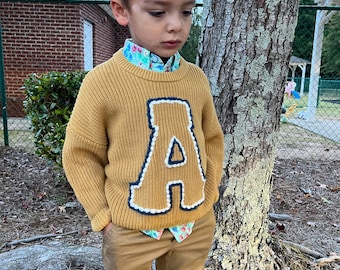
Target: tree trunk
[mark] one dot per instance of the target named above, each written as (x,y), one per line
(245,51)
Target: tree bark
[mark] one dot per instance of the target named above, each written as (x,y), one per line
(245,51)
(52,257)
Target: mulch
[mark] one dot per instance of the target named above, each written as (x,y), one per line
(35,200)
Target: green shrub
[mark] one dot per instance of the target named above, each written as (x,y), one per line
(49,101)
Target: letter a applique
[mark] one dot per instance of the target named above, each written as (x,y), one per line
(172,159)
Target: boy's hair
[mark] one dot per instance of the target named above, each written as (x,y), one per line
(125,3)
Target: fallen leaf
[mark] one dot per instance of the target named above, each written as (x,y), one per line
(73,205)
(324,186)
(4,219)
(25,204)
(53,229)
(323,199)
(306,191)
(59,231)
(280,199)
(311,223)
(41,195)
(84,232)
(335,189)
(62,209)
(281,227)
(293,211)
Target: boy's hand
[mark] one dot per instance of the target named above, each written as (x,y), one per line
(107,228)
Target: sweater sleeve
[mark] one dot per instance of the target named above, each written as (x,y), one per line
(214,143)
(85,154)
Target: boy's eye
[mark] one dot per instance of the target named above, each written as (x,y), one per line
(187,13)
(156,13)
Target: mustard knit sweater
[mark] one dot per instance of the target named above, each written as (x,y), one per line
(143,149)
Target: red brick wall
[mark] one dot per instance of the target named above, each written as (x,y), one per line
(41,37)
(108,36)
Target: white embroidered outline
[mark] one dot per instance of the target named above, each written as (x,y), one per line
(153,137)
(168,159)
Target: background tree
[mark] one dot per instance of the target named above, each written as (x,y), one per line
(331,53)
(245,51)
(190,48)
(304,32)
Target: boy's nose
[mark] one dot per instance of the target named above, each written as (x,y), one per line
(174,23)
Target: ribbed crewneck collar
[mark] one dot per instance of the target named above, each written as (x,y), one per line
(176,75)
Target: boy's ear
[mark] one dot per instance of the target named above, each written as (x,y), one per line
(119,12)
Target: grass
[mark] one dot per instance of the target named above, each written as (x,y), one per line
(290,134)
(296,142)
(325,109)
(22,139)
(292,139)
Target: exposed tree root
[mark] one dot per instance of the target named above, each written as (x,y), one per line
(293,256)
(52,257)
(37,237)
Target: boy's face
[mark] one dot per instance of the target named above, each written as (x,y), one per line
(161,26)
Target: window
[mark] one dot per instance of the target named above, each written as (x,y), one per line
(88,45)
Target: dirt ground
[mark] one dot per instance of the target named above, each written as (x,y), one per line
(35,201)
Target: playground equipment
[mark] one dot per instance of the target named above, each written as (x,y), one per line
(288,112)
(291,93)
(290,90)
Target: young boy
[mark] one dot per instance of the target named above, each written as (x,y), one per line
(144,148)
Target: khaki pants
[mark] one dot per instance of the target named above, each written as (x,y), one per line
(125,249)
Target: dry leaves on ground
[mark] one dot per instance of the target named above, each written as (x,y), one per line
(34,200)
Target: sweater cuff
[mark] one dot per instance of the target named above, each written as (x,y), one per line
(101,220)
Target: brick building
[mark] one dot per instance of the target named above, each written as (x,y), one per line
(42,37)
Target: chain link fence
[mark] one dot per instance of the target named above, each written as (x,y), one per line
(310,120)
(41,36)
